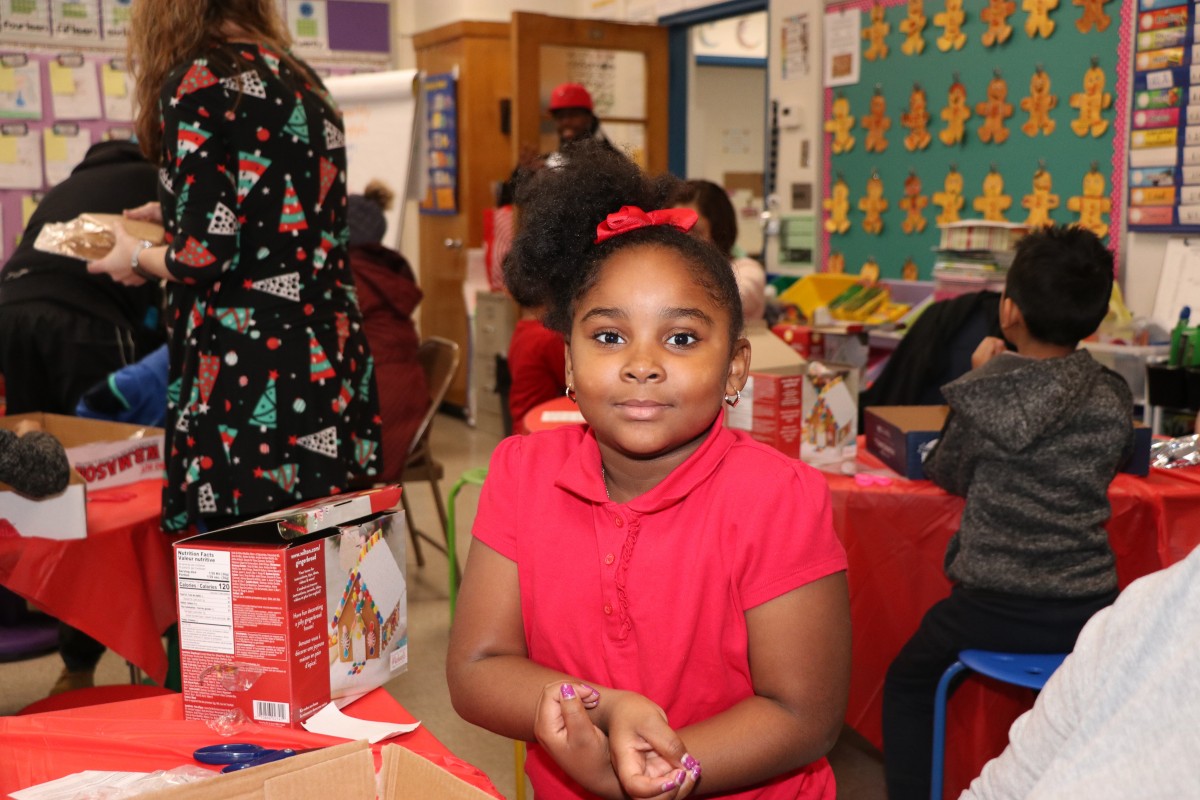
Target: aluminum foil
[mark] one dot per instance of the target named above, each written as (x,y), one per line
(1183,451)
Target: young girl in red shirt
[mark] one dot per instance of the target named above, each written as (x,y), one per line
(657,601)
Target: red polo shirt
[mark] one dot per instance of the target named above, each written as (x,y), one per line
(651,595)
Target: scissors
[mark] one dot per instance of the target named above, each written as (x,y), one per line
(240,755)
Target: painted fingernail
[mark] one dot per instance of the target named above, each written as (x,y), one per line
(676,783)
(568,691)
(590,689)
(691,765)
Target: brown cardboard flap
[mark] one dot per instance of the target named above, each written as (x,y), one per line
(343,771)
(404,775)
(75,431)
(911,418)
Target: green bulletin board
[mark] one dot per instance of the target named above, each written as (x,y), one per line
(1064,57)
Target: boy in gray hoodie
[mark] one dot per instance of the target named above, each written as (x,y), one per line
(1032,441)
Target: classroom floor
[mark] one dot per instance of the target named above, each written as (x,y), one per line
(422,689)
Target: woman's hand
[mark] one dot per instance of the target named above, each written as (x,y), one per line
(989,348)
(650,759)
(147,212)
(117,264)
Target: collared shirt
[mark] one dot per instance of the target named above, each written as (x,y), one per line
(651,595)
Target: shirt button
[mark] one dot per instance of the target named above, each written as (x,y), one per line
(607,608)
(608,559)
(618,521)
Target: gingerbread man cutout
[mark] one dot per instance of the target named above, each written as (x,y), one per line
(913,27)
(838,206)
(1090,102)
(994,111)
(1093,204)
(956,113)
(993,202)
(877,122)
(836,263)
(1038,23)
(876,34)
(873,205)
(1038,104)
(950,199)
(914,203)
(996,16)
(840,124)
(950,21)
(916,119)
(1040,202)
(909,271)
(1093,16)
(869,272)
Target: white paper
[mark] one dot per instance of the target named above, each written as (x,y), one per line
(1179,282)
(118,92)
(77,20)
(332,722)
(796,47)
(20,159)
(842,47)
(20,91)
(63,152)
(115,18)
(75,91)
(308,23)
(71,786)
(20,19)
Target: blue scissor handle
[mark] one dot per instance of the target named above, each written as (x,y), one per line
(266,757)
(232,753)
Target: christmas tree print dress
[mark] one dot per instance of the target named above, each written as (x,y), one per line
(271,398)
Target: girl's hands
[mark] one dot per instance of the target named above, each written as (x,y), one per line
(147,212)
(117,264)
(562,726)
(649,757)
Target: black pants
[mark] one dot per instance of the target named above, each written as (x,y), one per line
(964,620)
(50,355)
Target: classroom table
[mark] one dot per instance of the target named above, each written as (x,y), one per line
(895,537)
(550,414)
(117,584)
(151,734)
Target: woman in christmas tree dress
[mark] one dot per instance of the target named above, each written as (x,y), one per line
(271,398)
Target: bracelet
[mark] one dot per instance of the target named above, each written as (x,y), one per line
(138,269)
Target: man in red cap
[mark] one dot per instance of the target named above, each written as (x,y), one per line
(572,110)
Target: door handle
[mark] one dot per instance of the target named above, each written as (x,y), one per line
(453,244)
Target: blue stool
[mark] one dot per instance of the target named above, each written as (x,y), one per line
(1030,670)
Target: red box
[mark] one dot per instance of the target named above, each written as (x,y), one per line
(770,408)
(282,614)
(801,338)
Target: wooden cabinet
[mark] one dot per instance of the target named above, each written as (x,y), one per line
(481,56)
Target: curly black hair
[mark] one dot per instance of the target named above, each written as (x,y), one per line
(1061,278)
(554,259)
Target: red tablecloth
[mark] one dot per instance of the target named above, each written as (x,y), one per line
(151,734)
(117,585)
(895,538)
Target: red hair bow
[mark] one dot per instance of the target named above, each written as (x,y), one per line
(630,218)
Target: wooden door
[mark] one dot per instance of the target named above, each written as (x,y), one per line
(623,66)
(479,53)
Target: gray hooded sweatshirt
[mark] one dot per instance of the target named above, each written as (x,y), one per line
(1033,445)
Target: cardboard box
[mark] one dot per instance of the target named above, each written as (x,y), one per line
(829,413)
(896,435)
(770,408)
(282,614)
(102,455)
(343,771)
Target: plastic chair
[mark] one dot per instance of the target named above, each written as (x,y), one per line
(1030,670)
(439,360)
(476,477)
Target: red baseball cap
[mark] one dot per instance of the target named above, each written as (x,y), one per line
(570,95)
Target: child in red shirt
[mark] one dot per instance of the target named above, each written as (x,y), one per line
(650,592)
(536,365)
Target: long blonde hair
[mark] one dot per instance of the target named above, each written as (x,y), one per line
(166,33)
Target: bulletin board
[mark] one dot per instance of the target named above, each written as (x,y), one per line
(1065,57)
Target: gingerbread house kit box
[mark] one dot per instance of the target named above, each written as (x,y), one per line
(280,615)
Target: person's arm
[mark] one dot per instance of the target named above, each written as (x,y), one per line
(33,462)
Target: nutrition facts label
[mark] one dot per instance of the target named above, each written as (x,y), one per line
(205,600)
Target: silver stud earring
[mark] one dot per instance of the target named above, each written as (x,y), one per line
(734,399)
(570,393)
